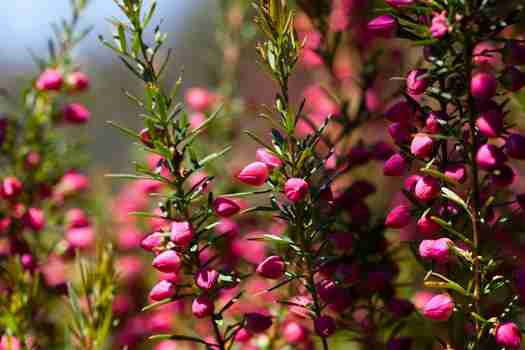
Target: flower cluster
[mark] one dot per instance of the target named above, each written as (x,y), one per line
(453,127)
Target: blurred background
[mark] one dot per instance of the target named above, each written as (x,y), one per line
(27,27)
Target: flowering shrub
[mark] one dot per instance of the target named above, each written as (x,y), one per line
(237,234)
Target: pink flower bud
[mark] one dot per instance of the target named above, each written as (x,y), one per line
(490,157)
(35,219)
(440,26)
(372,100)
(383,26)
(324,326)
(167,261)
(400,112)
(78,81)
(81,237)
(32,160)
(294,332)
(254,174)
(162,290)
(225,207)
(427,188)
(76,113)
(421,146)
(485,54)
(400,3)
(483,86)
(400,133)
(167,345)
(227,227)
(437,250)
(432,123)
(152,241)
(181,233)
(257,323)
(268,158)
(207,278)
(296,189)
(398,217)
(490,123)
(439,307)
(49,80)
(417,83)
(395,165)
(457,172)
(272,267)
(28,262)
(202,306)
(515,146)
(508,334)
(427,226)
(514,53)
(10,188)
(199,99)
(72,183)
(243,336)
(8,342)
(76,217)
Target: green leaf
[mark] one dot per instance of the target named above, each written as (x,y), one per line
(451,195)
(213,156)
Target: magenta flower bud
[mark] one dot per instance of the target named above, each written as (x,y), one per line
(399,343)
(503,176)
(202,306)
(272,267)
(254,174)
(440,25)
(400,112)
(483,86)
(8,342)
(243,336)
(417,83)
(162,290)
(145,137)
(199,99)
(513,79)
(181,233)
(427,188)
(257,323)
(167,261)
(508,334)
(227,227)
(28,262)
(76,217)
(76,113)
(152,241)
(395,165)
(400,3)
(514,53)
(457,172)
(327,289)
(383,26)
(432,124)
(78,81)
(400,133)
(49,80)
(421,145)
(10,188)
(490,157)
(225,207)
(398,217)
(268,158)
(438,250)
(439,307)
(294,332)
(427,226)
(515,146)
(485,54)
(207,278)
(324,326)
(490,123)
(35,219)
(295,189)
